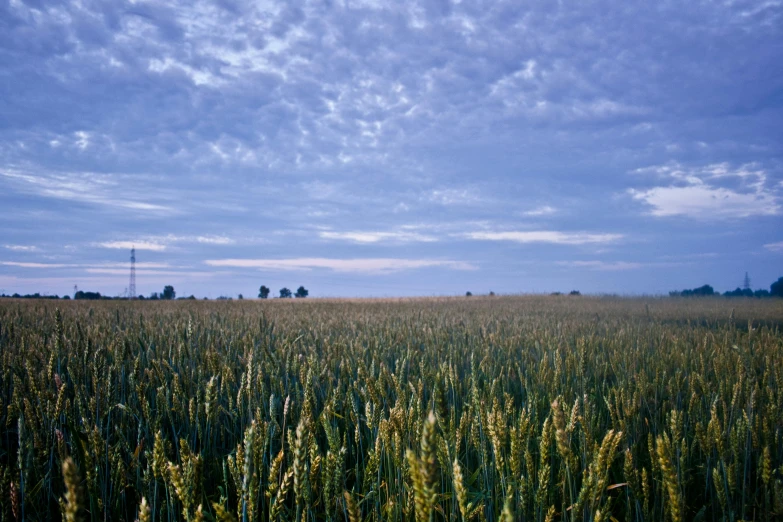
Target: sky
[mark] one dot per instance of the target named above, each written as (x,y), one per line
(390,148)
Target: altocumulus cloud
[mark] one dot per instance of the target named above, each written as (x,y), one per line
(544,236)
(314,131)
(711,192)
(21,248)
(139,245)
(379,237)
(371,266)
(161,243)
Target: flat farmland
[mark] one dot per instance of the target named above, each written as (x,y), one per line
(477,409)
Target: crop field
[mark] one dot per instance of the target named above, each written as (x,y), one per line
(473,409)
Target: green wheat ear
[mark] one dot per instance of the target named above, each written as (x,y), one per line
(73,494)
(459,489)
(222,514)
(144,511)
(354,515)
(663,447)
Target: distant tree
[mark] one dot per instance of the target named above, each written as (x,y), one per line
(491,292)
(285,293)
(702,291)
(67,297)
(761,293)
(263,292)
(776,289)
(240,296)
(301,292)
(168,292)
(575,292)
(90,296)
(739,292)
(192,297)
(154,296)
(468,294)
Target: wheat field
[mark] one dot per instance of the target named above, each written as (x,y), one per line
(472,409)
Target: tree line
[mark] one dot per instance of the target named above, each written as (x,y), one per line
(775,290)
(168,293)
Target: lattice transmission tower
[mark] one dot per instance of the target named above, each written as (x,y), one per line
(132,285)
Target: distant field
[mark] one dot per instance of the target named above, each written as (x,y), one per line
(480,408)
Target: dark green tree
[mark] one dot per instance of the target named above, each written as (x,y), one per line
(301,292)
(263,292)
(776,289)
(285,293)
(87,295)
(704,290)
(168,292)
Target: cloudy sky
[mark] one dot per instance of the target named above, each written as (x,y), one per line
(372,148)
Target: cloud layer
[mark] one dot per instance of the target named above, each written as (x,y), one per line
(382,138)
(368,265)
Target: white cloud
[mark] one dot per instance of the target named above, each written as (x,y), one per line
(699,255)
(21,248)
(211,240)
(448,197)
(141,266)
(82,140)
(378,237)
(601,265)
(144,271)
(706,202)
(119,267)
(34,265)
(617,266)
(526,92)
(369,265)
(775,247)
(544,236)
(161,243)
(197,76)
(84,187)
(138,245)
(714,191)
(544,210)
